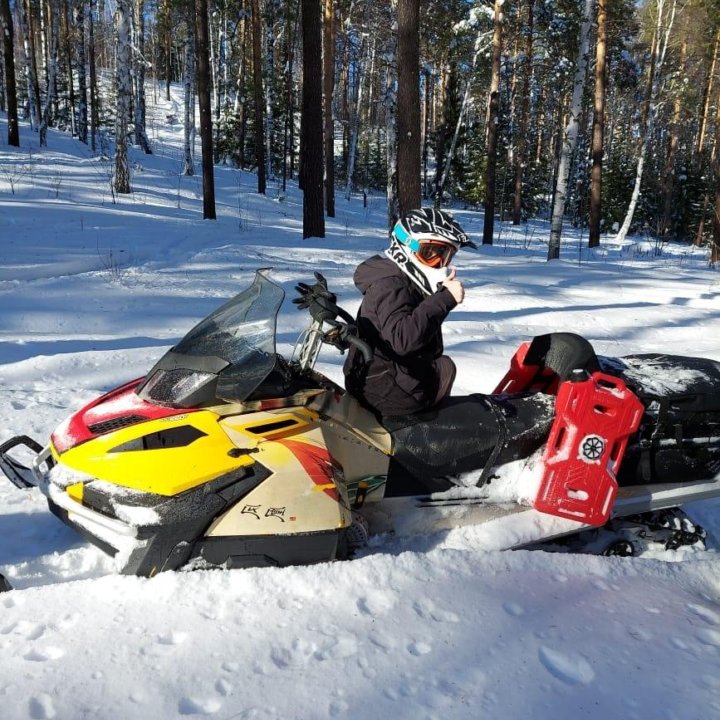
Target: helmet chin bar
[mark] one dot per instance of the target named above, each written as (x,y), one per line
(426,278)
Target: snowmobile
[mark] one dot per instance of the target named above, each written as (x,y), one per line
(228,454)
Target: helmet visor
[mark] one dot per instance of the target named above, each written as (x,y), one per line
(435,254)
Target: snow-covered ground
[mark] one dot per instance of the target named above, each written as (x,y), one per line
(94,288)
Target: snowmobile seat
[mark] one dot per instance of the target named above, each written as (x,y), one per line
(464,435)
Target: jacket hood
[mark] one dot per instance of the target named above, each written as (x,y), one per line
(374,269)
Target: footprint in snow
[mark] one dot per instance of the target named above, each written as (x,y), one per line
(377,603)
(26,628)
(223,687)
(709,616)
(198,706)
(44,654)
(513,609)
(41,707)
(427,610)
(172,638)
(709,637)
(298,654)
(419,648)
(569,668)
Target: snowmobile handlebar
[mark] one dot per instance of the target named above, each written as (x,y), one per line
(323,308)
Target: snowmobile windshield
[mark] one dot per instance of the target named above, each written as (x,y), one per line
(227,355)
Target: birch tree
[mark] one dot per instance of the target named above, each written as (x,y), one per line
(33,88)
(570,133)
(94,112)
(664,19)
(359,79)
(52,65)
(123,82)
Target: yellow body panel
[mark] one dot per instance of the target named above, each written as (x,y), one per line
(164,471)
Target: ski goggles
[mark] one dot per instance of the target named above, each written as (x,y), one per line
(435,254)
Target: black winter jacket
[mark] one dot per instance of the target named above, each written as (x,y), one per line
(403,328)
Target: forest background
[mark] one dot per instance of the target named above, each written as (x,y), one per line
(600,113)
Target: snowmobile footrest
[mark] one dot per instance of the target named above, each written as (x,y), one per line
(594,417)
(18,474)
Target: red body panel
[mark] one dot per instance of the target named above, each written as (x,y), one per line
(118,408)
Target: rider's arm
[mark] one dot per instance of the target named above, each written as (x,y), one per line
(406,325)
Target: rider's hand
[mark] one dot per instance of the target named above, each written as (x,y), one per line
(455,287)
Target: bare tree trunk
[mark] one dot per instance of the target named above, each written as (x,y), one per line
(32,25)
(450,154)
(167,16)
(66,28)
(94,112)
(329,84)
(240,99)
(355,120)
(82,125)
(141,138)
(668,177)
(390,105)
(715,249)
(707,98)
(311,133)
(9,65)
(269,92)
(189,114)
(663,26)
(522,143)
(291,31)
(206,130)
(121,181)
(30,65)
(492,127)
(426,129)
(408,105)
(258,93)
(54,23)
(570,134)
(598,132)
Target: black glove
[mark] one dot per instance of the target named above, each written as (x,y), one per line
(318,300)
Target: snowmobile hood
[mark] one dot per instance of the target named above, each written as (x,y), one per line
(374,269)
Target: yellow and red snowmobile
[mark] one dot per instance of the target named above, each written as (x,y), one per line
(227,454)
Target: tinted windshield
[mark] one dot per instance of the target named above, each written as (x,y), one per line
(240,328)
(226,355)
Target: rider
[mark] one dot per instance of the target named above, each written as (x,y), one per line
(406,296)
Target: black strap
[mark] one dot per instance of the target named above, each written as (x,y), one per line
(499,445)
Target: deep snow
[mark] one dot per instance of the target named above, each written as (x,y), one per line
(93,290)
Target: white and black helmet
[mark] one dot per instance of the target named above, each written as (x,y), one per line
(422,244)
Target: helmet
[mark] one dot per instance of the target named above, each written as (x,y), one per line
(422,244)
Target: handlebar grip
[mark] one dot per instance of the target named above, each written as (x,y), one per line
(361,345)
